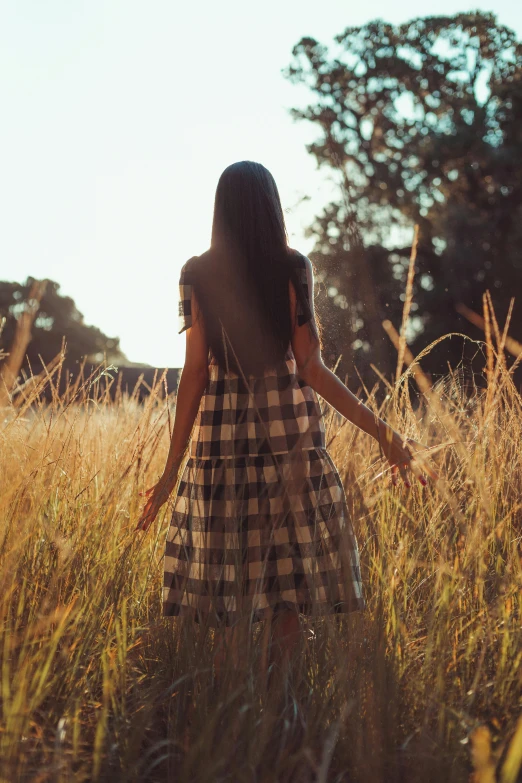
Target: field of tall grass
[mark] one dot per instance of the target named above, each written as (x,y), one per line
(425,686)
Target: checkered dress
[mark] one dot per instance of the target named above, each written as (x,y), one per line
(260,521)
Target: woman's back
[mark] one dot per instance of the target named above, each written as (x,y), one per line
(241,413)
(244,300)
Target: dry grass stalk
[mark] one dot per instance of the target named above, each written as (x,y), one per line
(408,299)
(512,346)
(500,764)
(482,757)
(490,352)
(27,391)
(422,380)
(506,325)
(501,357)
(512,764)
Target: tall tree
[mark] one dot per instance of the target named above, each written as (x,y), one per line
(421,122)
(57,317)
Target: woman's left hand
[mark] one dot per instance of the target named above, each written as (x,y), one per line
(405,454)
(156,496)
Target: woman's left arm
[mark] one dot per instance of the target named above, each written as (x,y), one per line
(192,383)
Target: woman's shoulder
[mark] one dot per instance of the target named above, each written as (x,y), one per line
(189,268)
(303,265)
(198,262)
(299,259)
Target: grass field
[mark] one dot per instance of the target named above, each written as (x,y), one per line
(426,686)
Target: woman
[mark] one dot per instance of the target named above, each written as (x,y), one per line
(260,526)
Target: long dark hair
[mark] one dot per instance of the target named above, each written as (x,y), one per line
(241,282)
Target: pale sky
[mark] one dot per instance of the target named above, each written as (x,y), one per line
(118,117)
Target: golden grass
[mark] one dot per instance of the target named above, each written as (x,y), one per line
(96,685)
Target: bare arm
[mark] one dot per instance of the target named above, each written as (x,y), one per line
(192,382)
(314,372)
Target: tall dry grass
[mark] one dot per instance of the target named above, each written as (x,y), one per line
(96,685)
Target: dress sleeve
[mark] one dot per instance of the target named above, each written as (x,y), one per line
(185,297)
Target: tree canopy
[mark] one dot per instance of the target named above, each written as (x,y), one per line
(421,123)
(57,318)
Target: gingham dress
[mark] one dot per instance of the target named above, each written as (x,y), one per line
(260,521)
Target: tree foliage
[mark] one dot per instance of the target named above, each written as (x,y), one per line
(421,123)
(57,318)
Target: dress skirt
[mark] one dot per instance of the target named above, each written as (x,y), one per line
(256,534)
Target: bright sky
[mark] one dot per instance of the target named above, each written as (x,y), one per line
(118,116)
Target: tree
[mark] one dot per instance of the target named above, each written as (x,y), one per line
(421,123)
(57,318)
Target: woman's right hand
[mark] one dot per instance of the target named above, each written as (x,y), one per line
(156,497)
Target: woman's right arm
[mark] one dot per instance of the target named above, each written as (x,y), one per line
(313,371)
